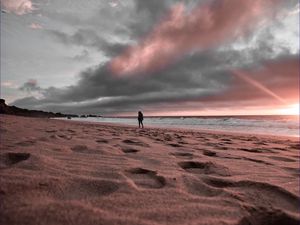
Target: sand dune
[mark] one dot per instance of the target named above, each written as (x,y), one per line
(65,172)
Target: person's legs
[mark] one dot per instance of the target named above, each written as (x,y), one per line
(139,123)
(142,123)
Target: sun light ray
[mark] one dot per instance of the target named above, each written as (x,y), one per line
(258,85)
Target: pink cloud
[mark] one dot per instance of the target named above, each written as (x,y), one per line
(206,26)
(8,84)
(19,7)
(275,82)
(113,3)
(32,82)
(36,26)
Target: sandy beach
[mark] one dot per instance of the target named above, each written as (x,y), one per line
(66,172)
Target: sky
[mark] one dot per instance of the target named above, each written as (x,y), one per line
(164,57)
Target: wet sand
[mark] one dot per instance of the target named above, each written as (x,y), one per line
(66,172)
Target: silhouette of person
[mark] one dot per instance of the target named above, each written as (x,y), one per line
(140,119)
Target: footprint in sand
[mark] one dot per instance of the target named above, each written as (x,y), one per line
(268,216)
(260,143)
(26,143)
(256,160)
(146,178)
(222,147)
(225,139)
(79,148)
(215,145)
(258,193)
(84,149)
(71,131)
(53,136)
(158,140)
(77,189)
(130,150)
(295,146)
(256,150)
(167,138)
(51,131)
(209,153)
(282,159)
(175,145)
(204,168)
(43,139)
(182,154)
(293,171)
(279,149)
(11,158)
(198,187)
(135,142)
(227,142)
(102,140)
(66,137)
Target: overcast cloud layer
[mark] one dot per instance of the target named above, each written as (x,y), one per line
(118,57)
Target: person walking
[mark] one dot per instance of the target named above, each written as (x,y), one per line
(140,119)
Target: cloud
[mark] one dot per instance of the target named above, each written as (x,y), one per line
(8,84)
(199,81)
(88,38)
(19,7)
(98,83)
(83,56)
(30,86)
(272,82)
(294,11)
(35,26)
(146,14)
(114,3)
(204,27)
(27,102)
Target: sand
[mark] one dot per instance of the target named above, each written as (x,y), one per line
(66,172)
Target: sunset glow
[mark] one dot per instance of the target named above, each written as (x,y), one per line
(163,57)
(290,110)
(206,26)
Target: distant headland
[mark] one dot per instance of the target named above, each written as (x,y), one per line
(13,110)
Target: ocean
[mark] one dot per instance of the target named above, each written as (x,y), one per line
(266,125)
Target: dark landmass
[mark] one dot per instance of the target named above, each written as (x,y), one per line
(13,110)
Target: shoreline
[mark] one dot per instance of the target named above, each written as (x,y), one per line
(199,130)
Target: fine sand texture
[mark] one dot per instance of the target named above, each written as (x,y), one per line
(64,172)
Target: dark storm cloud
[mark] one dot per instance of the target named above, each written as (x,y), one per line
(87,38)
(99,82)
(181,82)
(147,14)
(202,77)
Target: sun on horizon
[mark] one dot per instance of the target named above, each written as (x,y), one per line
(292,109)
